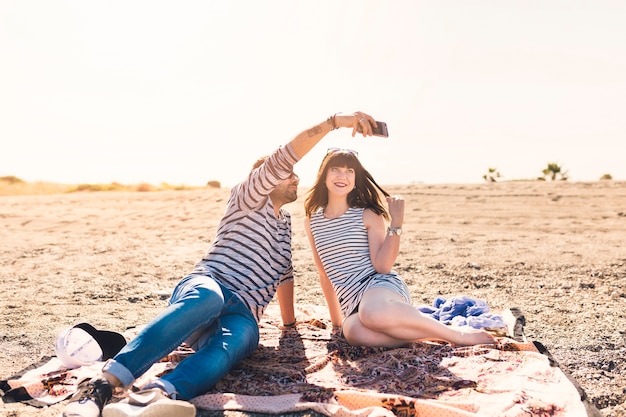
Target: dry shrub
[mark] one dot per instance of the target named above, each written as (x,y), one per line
(15,186)
(11,185)
(144,187)
(11,179)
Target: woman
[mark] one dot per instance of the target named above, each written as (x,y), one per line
(354,252)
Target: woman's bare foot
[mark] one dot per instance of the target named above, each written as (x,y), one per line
(468,336)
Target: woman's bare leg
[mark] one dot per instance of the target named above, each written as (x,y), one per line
(385,319)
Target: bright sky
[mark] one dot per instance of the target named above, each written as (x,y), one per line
(190,91)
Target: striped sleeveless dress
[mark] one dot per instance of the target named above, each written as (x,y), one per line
(343,248)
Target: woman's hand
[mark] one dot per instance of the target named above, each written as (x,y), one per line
(396,210)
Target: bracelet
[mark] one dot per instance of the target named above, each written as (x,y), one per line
(290,324)
(331,121)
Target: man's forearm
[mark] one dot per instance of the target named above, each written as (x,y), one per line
(285,301)
(306,140)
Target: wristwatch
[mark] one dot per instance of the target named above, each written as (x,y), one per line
(394,231)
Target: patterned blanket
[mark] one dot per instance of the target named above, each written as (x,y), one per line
(310,367)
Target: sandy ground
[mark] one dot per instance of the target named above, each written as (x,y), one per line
(555,249)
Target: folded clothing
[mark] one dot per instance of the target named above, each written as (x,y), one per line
(463,311)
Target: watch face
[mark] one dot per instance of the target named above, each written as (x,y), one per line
(395,231)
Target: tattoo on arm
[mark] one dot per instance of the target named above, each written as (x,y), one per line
(314,131)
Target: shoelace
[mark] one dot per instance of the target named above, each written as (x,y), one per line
(86,392)
(91,391)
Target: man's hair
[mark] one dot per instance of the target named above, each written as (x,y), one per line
(259,162)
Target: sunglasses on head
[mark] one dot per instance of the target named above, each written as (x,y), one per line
(342,150)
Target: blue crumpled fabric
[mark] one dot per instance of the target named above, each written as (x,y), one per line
(463,311)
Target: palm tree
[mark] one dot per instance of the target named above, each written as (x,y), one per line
(491,175)
(554,171)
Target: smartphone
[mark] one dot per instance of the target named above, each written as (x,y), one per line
(380,129)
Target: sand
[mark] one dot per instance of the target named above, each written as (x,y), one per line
(554,249)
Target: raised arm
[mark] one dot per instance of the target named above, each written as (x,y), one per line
(384,248)
(306,140)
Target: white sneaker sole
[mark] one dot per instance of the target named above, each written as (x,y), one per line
(160,408)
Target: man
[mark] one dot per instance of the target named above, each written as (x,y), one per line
(216,309)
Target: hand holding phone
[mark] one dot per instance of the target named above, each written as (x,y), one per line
(380,130)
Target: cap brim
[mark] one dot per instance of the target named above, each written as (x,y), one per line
(110,342)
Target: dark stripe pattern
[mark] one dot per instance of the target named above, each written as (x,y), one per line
(251,253)
(342,245)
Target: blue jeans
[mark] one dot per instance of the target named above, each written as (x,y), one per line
(207,316)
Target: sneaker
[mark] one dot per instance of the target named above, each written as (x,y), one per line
(153,402)
(91,396)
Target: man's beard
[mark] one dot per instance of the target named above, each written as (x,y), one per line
(290,196)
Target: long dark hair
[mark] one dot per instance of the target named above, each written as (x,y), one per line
(366,193)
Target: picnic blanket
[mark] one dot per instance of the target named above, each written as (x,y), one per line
(310,367)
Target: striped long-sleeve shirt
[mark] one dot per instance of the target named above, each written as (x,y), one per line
(251,253)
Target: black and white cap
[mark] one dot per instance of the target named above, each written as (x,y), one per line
(83,345)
